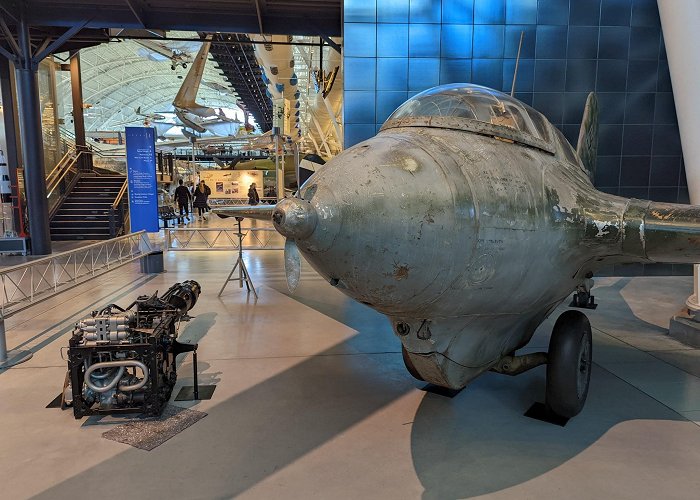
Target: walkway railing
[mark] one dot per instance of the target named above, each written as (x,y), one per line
(255,238)
(27,284)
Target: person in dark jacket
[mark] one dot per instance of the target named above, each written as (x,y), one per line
(201,195)
(183,198)
(253,197)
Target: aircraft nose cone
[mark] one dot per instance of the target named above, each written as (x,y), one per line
(295,218)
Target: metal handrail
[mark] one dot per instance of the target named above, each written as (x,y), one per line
(120,195)
(59,165)
(118,215)
(94,149)
(27,284)
(52,185)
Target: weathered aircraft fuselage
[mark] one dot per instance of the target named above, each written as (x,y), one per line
(467,235)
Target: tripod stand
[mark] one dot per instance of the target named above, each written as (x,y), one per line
(243,275)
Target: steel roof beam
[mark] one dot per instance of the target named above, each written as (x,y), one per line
(137,9)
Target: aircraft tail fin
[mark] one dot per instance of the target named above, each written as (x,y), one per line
(587,147)
(187,94)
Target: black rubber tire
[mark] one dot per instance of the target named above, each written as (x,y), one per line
(569,364)
(409,365)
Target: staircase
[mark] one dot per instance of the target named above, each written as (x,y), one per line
(85,213)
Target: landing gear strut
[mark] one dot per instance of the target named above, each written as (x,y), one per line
(569,364)
(582,295)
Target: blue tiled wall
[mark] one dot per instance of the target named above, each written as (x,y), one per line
(397,48)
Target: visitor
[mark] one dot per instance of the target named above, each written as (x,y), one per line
(201,195)
(183,198)
(253,197)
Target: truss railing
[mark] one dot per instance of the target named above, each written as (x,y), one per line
(27,284)
(254,238)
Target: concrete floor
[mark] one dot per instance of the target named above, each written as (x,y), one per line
(313,401)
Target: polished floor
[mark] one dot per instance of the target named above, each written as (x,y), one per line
(313,401)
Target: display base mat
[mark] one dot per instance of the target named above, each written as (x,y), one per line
(149,434)
(441,391)
(539,411)
(187,393)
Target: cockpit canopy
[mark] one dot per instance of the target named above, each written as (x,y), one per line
(473,102)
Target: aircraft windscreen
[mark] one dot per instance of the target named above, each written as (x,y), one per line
(474,102)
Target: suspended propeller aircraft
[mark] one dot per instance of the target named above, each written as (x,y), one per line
(467,220)
(179,53)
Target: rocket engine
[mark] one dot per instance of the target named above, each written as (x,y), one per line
(123,360)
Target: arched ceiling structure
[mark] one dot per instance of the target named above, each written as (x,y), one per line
(117,80)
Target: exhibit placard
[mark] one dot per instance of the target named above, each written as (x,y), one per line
(141,177)
(232,184)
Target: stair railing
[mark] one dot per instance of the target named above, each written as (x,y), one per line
(56,171)
(62,179)
(119,213)
(68,138)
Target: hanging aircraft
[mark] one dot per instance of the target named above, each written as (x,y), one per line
(202,121)
(179,53)
(196,116)
(467,220)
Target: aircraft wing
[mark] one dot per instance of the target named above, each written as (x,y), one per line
(156,48)
(259,212)
(200,141)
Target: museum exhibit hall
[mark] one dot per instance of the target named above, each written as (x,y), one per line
(430,249)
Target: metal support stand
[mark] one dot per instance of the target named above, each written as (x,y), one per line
(243,275)
(13,357)
(192,392)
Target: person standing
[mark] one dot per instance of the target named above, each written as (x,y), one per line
(201,194)
(183,198)
(207,191)
(253,197)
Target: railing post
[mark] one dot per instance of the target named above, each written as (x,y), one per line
(13,357)
(112,223)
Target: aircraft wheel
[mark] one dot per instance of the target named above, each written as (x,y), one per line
(184,65)
(569,364)
(172,66)
(409,365)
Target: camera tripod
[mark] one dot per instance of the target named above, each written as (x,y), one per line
(243,275)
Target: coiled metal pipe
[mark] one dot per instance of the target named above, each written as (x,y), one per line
(121,365)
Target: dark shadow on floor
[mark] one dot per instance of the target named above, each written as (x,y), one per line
(477,442)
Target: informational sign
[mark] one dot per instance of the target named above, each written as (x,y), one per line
(141,175)
(232,184)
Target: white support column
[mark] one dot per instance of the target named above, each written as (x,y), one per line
(680,20)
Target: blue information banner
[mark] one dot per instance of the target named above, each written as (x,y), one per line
(141,175)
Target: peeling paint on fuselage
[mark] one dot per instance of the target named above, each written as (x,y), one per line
(481,237)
